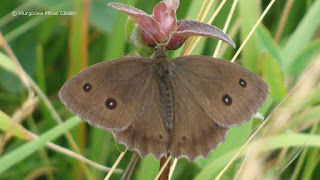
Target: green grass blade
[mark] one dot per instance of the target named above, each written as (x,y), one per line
(273,76)
(303,59)
(267,44)
(41,76)
(14,157)
(311,164)
(302,35)
(7,64)
(6,123)
(271,143)
(117,38)
(248,19)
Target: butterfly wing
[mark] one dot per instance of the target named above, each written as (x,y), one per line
(194,133)
(228,93)
(147,134)
(109,94)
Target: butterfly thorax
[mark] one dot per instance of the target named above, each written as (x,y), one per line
(166,94)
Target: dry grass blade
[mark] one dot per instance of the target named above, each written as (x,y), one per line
(173,166)
(284,17)
(317,65)
(234,4)
(21,73)
(252,30)
(115,165)
(279,123)
(302,157)
(80,157)
(165,173)
(201,9)
(241,167)
(26,110)
(66,151)
(40,172)
(31,85)
(290,162)
(188,51)
(130,167)
(191,39)
(207,10)
(214,15)
(235,28)
(163,167)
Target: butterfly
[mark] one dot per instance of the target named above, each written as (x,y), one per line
(181,106)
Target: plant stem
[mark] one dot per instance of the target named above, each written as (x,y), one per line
(165,173)
(131,166)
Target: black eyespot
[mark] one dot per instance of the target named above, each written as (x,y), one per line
(160,136)
(227,100)
(111,103)
(242,82)
(87,87)
(184,138)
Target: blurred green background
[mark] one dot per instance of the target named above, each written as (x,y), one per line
(52,48)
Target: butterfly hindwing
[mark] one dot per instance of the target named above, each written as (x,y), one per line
(194,133)
(147,133)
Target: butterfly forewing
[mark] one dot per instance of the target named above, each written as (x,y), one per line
(108,94)
(228,93)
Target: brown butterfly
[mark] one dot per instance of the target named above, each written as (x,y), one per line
(182,106)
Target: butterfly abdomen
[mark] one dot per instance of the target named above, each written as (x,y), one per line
(166,95)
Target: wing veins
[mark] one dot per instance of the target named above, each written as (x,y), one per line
(190,92)
(144,100)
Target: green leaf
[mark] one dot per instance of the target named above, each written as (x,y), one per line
(302,35)
(249,14)
(314,98)
(303,59)
(117,38)
(6,123)
(7,64)
(273,76)
(14,157)
(101,16)
(34,21)
(235,138)
(267,44)
(130,26)
(149,168)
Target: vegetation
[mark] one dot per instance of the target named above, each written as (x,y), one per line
(40,52)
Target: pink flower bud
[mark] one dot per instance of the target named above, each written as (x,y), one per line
(163,27)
